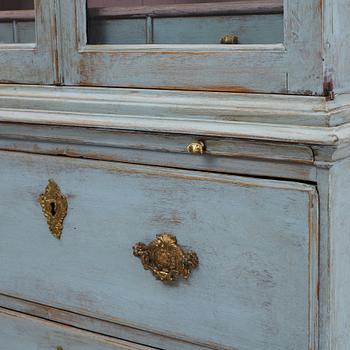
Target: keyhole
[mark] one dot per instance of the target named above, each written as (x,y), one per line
(53,208)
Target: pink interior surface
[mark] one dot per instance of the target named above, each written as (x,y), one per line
(127,3)
(29,4)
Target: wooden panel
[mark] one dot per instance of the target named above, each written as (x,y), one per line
(293,112)
(339,251)
(95,325)
(33,63)
(337,31)
(295,67)
(18,332)
(256,241)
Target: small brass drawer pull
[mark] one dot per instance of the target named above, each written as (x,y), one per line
(196,147)
(229,39)
(165,258)
(54,206)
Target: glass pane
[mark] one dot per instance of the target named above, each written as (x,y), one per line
(185,21)
(17,21)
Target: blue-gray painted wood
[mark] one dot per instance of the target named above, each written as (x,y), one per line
(166,104)
(95,325)
(36,62)
(250,68)
(339,260)
(256,241)
(19,332)
(312,60)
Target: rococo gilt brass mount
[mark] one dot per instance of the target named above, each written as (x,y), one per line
(165,258)
(54,205)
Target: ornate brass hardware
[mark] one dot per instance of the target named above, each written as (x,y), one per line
(54,205)
(196,147)
(59,348)
(229,39)
(165,258)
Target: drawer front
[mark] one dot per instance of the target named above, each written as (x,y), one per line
(19,332)
(256,241)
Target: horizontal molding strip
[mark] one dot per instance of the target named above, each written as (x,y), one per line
(280,118)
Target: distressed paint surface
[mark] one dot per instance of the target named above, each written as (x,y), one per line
(33,63)
(339,238)
(96,325)
(253,238)
(183,105)
(18,332)
(336,46)
(250,68)
(312,61)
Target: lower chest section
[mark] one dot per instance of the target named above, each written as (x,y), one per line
(205,260)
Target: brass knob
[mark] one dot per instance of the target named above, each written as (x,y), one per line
(196,147)
(229,39)
(165,258)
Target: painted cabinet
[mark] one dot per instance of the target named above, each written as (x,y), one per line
(18,331)
(255,239)
(174,175)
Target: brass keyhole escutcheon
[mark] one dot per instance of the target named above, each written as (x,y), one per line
(196,147)
(167,260)
(54,205)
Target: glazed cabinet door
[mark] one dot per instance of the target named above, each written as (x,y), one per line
(212,45)
(28,42)
(206,260)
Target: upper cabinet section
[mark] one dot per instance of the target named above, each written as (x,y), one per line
(253,46)
(184,22)
(28,42)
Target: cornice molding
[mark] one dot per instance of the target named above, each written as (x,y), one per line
(277,118)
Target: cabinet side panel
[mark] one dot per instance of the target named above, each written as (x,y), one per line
(340,255)
(336,49)
(341,48)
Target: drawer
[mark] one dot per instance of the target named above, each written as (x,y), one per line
(256,241)
(19,332)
